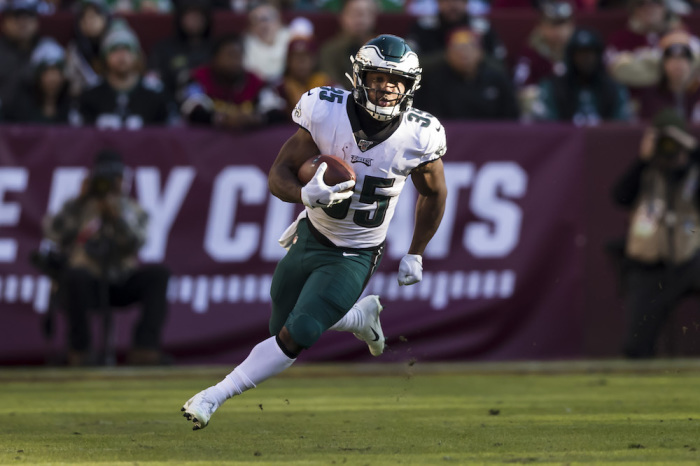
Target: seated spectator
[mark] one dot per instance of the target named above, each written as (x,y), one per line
(140,6)
(632,55)
(20,35)
(224,94)
(662,251)
(123,99)
(44,98)
(336,6)
(678,87)
(83,62)
(100,233)
(464,85)
(174,58)
(544,54)
(301,73)
(428,35)
(539,4)
(358,20)
(585,94)
(265,42)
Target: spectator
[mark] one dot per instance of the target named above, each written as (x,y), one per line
(544,54)
(123,99)
(83,62)
(585,94)
(139,6)
(539,4)
(358,20)
(224,94)
(428,35)
(173,59)
(100,233)
(44,98)
(336,6)
(464,85)
(301,72)
(265,42)
(20,34)
(678,87)
(632,54)
(662,249)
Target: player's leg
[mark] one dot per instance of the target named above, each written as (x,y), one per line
(269,357)
(333,288)
(363,318)
(363,321)
(322,283)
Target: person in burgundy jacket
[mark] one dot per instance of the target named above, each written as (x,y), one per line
(222,93)
(678,88)
(632,54)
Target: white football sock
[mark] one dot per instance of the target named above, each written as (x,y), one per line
(265,360)
(352,321)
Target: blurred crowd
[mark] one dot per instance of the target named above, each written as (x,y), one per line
(563,72)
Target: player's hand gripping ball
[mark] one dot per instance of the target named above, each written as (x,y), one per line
(327,181)
(338,170)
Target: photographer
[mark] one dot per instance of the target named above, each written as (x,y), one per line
(662,247)
(100,233)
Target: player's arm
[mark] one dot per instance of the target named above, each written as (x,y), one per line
(284,183)
(282,180)
(429,180)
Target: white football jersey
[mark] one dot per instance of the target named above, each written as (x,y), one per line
(381,166)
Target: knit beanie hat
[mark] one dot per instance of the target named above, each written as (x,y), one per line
(120,36)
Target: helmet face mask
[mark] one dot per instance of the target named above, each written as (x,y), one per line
(385,54)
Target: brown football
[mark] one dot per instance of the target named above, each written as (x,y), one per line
(338,170)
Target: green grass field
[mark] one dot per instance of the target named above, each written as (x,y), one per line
(557,413)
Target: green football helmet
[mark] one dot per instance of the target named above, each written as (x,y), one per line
(386,54)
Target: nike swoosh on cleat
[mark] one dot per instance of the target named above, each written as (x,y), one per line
(376,335)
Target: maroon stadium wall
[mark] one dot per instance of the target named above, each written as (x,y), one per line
(516,271)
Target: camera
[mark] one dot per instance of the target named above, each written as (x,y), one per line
(667,148)
(101,185)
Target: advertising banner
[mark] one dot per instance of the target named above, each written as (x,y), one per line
(502,276)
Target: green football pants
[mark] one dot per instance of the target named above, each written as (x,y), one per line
(315,285)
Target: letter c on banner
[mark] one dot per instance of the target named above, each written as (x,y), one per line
(225,240)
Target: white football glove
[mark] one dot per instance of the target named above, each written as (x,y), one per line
(410,269)
(317,193)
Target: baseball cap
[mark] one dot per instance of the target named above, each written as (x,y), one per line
(668,117)
(108,163)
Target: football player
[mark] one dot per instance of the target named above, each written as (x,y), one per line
(336,243)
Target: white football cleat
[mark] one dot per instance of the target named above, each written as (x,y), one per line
(372,333)
(199,409)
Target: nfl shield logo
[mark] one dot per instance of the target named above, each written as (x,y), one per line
(364,144)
